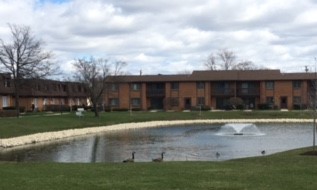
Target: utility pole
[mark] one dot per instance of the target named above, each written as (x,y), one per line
(314,109)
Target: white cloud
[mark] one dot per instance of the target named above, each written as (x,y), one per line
(163,36)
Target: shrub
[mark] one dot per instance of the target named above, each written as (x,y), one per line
(203,108)
(22,109)
(56,108)
(8,113)
(265,106)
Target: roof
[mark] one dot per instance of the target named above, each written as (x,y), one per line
(230,75)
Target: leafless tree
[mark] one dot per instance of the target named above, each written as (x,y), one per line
(118,68)
(245,65)
(210,64)
(24,58)
(92,73)
(227,60)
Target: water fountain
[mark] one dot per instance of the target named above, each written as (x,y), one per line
(245,129)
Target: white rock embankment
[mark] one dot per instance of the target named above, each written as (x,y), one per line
(51,136)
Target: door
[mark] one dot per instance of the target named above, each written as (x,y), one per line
(187,103)
(157,103)
(283,102)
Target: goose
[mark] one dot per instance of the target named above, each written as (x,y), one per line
(130,159)
(159,159)
(263,152)
(217,155)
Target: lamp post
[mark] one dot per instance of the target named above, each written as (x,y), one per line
(314,109)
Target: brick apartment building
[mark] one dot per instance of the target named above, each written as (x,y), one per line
(201,89)
(41,94)
(211,90)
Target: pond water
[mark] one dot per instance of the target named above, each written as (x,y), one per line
(180,143)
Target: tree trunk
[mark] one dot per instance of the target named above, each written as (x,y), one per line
(96,110)
(17,97)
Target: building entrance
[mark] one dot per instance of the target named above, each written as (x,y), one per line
(283,102)
(187,103)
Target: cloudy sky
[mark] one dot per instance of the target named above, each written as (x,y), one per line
(171,36)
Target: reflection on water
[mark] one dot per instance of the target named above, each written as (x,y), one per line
(179,143)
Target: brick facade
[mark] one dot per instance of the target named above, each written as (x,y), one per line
(215,90)
(39,94)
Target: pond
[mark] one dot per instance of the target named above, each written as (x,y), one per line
(180,143)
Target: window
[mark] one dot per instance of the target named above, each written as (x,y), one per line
(245,88)
(114,87)
(114,102)
(269,85)
(269,100)
(44,101)
(175,86)
(201,101)
(297,84)
(5,101)
(7,83)
(135,86)
(200,85)
(38,87)
(297,100)
(64,87)
(136,102)
(174,102)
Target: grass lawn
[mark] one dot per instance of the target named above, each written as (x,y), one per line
(29,124)
(288,170)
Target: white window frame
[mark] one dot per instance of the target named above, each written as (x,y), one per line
(5,101)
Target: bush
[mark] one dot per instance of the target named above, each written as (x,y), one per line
(8,113)
(22,109)
(265,106)
(203,108)
(299,106)
(56,108)
(240,107)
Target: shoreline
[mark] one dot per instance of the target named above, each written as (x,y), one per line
(58,135)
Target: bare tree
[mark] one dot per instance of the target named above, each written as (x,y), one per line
(117,68)
(227,60)
(93,73)
(245,65)
(24,58)
(210,64)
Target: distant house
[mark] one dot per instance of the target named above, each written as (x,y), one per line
(256,89)
(42,94)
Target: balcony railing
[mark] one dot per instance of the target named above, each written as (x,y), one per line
(155,92)
(248,91)
(238,92)
(223,92)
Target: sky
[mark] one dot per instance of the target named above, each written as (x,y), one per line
(170,36)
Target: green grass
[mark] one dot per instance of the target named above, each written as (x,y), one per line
(287,170)
(29,124)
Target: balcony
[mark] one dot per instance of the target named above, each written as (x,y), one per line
(239,92)
(223,92)
(248,92)
(155,92)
